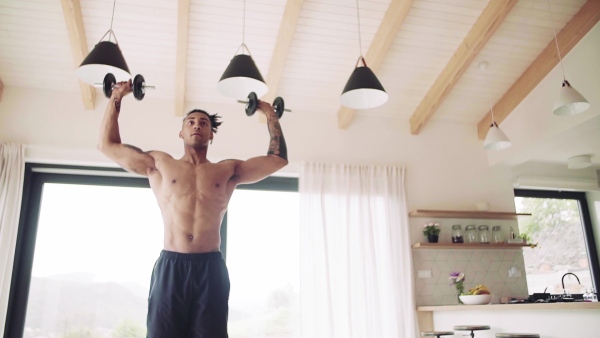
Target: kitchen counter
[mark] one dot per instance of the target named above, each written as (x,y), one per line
(520,306)
(425,313)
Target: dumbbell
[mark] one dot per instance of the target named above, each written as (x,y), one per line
(252,104)
(139,86)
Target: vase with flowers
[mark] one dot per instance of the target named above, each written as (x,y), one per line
(432,231)
(457,279)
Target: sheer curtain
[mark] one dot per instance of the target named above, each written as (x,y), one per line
(356,267)
(12,169)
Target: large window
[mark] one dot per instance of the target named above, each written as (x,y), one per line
(560,224)
(87,245)
(94,250)
(263,261)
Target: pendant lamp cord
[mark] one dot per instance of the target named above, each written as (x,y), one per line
(111,20)
(556,42)
(113,14)
(110,30)
(487,86)
(243,45)
(359,39)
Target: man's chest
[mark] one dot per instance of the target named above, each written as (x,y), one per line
(177,177)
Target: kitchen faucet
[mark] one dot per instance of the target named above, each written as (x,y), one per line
(569,273)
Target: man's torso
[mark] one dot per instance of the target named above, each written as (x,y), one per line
(192,200)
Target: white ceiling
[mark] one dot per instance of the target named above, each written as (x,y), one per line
(36,51)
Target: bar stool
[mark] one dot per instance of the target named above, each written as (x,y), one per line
(471,328)
(437,334)
(517,335)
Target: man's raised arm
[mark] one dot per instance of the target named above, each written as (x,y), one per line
(129,157)
(257,168)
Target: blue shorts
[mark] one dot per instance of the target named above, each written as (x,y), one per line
(189,296)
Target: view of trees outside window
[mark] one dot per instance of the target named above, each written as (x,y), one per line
(556,226)
(264,262)
(96,247)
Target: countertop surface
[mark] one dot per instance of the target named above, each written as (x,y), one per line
(520,306)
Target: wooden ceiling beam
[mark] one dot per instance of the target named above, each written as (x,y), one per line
(183,23)
(481,32)
(581,23)
(287,29)
(282,47)
(76,31)
(393,19)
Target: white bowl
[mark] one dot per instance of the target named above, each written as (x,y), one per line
(475,299)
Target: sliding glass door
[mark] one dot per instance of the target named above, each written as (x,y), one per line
(87,245)
(263,248)
(95,249)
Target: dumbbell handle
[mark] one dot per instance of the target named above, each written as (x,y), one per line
(246,102)
(100,85)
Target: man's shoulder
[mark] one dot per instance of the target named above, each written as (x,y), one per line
(230,160)
(229,165)
(157,154)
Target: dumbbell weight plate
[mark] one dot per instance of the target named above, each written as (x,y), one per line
(138,87)
(279,106)
(108,83)
(252,104)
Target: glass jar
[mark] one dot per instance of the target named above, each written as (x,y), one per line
(457,235)
(484,234)
(497,235)
(471,234)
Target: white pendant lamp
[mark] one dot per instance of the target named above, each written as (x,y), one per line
(569,101)
(363,90)
(495,138)
(106,57)
(242,76)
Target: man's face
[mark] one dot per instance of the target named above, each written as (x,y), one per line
(196,130)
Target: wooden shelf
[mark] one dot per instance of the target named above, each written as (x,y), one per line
(461,246)
(466,214)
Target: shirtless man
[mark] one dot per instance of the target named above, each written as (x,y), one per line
(189,290)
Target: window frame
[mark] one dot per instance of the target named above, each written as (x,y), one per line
(35,176)
(586,223)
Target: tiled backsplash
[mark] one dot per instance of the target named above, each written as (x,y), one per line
(488,267)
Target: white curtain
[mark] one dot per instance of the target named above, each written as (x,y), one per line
(356,266)
(12,170)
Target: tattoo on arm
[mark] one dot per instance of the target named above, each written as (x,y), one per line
(118,105)
(277,144)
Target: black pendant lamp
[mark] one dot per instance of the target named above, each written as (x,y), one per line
(363,90)
(242,76)
(106,57)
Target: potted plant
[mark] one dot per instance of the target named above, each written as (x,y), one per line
(432,230)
